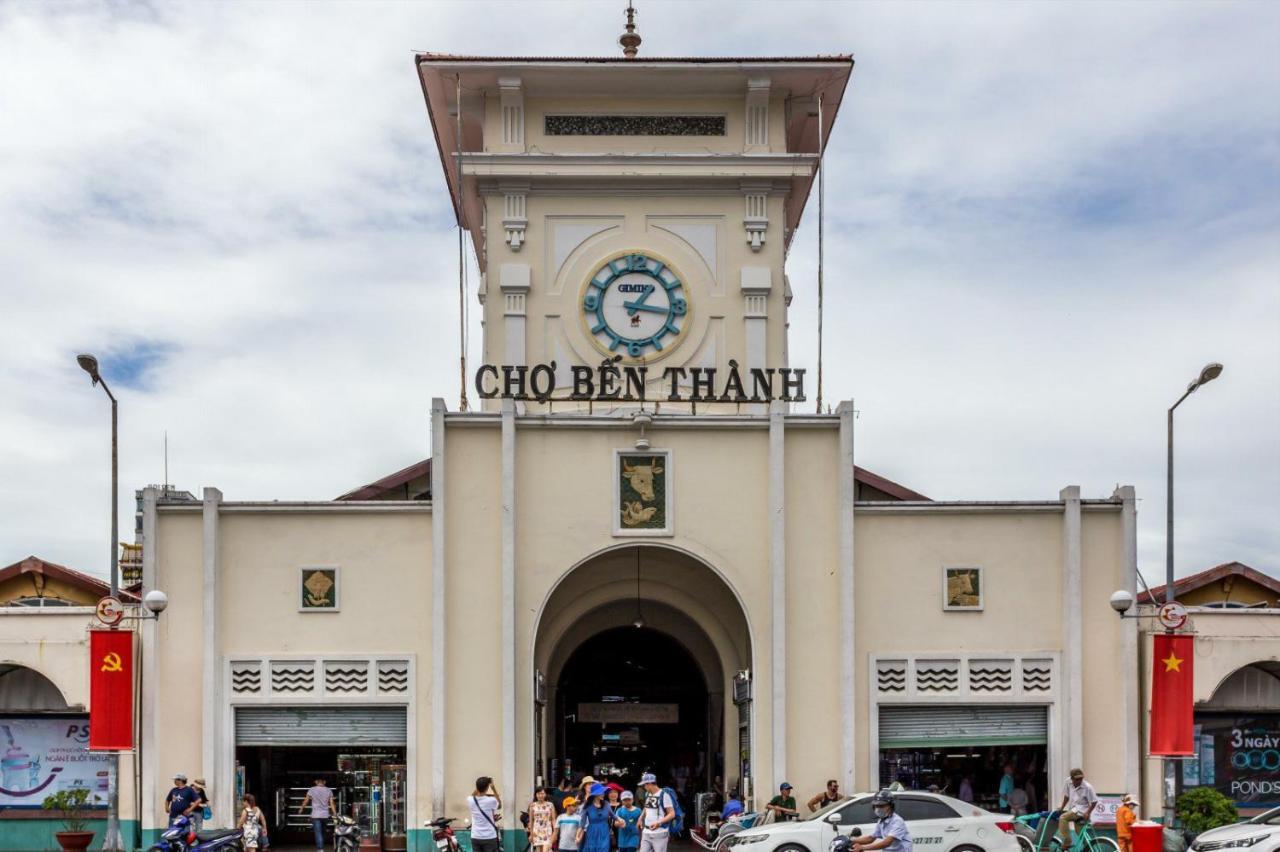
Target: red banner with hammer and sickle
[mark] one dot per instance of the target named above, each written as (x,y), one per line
(110,690)
(1172,696)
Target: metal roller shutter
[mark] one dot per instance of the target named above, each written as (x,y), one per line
(952,725)
(321,726)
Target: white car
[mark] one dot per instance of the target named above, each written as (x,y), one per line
(1260,834)
(937,824)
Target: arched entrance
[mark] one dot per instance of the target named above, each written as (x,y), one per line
(641,652)
(1237,731)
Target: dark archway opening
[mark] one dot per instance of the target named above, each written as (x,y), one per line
(631,700)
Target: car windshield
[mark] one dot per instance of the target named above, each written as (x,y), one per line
(1271,817)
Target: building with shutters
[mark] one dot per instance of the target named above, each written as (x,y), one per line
(644,547)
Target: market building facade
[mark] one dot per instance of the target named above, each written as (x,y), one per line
(642,551)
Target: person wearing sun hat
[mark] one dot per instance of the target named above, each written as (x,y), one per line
(628,823)
(1125,818)
(567,826)
(597,821)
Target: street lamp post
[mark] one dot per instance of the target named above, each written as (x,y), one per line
(1210,372)
(89,364)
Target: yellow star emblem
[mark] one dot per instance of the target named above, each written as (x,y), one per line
(1172,663)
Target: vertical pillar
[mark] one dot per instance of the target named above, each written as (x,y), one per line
(149,763)
(509,783)
(515,214)
(511,104)
(438,696)
(1129,641)
(757,281)
(211,697)
(514,281)
(848,716)
(757,115)
(1072,624)
(778,577)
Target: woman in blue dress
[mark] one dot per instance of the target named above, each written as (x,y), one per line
(597,820)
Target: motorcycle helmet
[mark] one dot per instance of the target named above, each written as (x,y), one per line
(884,797)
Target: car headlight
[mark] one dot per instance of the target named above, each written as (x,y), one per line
(1241,842)
(747,840)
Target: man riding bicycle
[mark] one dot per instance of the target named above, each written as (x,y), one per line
(1078,802)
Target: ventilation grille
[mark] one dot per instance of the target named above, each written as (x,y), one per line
(938,676)
(891,675)
(1037,675)
(393,676)
(346,676)
(246,677)
(634,125)
(293,677)
(991,675)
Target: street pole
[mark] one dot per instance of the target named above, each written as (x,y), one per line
(1209,373)
(111,841)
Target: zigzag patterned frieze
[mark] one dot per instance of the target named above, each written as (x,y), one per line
(346,678)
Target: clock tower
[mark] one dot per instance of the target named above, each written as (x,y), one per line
(635,211)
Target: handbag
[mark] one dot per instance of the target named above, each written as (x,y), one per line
(207,813)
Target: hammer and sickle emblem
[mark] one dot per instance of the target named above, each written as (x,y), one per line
(111,663)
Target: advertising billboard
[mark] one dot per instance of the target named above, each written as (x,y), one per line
(1239,755)
(40,755)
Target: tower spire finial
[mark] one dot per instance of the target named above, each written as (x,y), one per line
(630,40)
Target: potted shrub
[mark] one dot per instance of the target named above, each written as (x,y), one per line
(1203,808)
(69,805)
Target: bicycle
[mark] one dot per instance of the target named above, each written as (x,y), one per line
(1044,823)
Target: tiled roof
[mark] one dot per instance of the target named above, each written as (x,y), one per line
(1212,575)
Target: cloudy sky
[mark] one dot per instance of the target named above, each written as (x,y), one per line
(1043,219)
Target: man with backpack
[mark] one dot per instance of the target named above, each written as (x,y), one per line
(658,817)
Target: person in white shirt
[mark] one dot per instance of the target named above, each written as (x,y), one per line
(484,803)
(659,811)
(1078,802)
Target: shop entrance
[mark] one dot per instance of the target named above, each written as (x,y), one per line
(359,752)
(643,659)
(631,700)
(962,751)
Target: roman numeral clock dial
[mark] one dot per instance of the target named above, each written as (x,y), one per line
(635,305)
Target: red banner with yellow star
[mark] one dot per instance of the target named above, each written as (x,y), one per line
(110,690)
(1172,697)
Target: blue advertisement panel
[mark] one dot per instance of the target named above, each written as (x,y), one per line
(1239,755)
(40,755)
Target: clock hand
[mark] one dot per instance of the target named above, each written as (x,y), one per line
(633,306)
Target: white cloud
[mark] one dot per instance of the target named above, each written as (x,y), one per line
(1042,220)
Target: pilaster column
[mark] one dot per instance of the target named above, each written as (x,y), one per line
(438,681)
(508,595)
(511,104)
(515,219)
(1130,690)
(757,115)
(211,661)
(514,281)
(149,757)
(848,664)
(1072,624)
(778,582)
(757,282)
(756,216)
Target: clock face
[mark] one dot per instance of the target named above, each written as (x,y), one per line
(635,305)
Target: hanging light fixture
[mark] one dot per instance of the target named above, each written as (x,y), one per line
(639,622)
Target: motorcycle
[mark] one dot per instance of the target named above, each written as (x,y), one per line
(180,837)
(442,834)
(346,834)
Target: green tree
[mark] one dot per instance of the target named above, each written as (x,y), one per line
(70,805)
(1204,808)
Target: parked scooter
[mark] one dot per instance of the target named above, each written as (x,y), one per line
(442,834)
(180,837)
(346,834)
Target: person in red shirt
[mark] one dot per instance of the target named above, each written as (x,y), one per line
(1125,817)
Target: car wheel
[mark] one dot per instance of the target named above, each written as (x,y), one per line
(967,848)
(1025,844)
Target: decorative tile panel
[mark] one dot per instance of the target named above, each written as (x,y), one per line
(1037,675)
(293,676)
(246,677)
(937,675)
(393,676)
(346,676)
(891,675)
(993,676)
